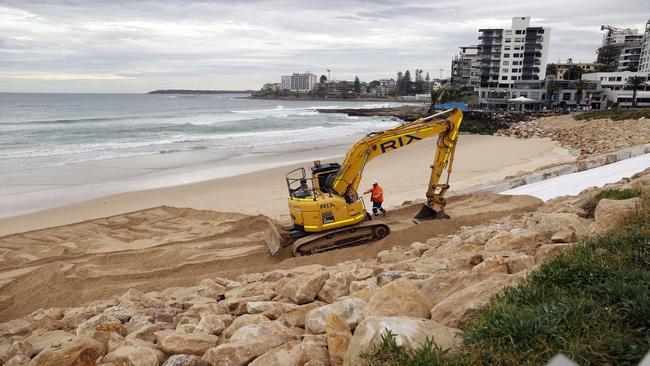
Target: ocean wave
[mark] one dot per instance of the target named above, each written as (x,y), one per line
(251,137)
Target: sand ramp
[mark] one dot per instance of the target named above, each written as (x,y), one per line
(165,246)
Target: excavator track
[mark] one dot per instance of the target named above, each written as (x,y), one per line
(345,237)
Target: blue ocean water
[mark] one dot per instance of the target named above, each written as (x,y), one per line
(41,130)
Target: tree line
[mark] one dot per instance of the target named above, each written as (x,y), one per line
(405,85)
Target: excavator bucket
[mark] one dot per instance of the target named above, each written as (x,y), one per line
(427,213)
(275,237)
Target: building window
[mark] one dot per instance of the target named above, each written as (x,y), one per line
(506,55)
(504,78)
(508,32)
(504,70)
(534,95)
(566,96)
(618,78)
(518,39)
(506,48)
(518,32)
(508,40)
(506,63)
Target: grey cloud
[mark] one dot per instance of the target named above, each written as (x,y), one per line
(241,44)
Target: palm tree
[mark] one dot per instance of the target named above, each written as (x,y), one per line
(635,82)
(580,85)
(551,89)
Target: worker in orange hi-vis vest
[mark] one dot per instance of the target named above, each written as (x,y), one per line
(377,198)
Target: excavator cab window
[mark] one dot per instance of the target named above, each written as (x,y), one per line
(321,174)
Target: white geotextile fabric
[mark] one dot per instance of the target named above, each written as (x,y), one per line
(574,183)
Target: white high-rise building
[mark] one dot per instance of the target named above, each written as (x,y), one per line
(516,53)
(299,82)
(644,59)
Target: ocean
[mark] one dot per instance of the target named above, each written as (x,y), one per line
(57,149)
(41,130)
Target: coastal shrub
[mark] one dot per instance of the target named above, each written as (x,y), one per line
(591,303)
(388,353)
(612,194)
(614,114)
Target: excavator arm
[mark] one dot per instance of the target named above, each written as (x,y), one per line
(377,144)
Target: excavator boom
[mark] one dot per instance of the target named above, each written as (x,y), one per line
(379,143)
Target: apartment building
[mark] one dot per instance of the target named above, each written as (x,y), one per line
(644,57)
(465,67)
(613,84)
(516,53)
(565,93)
(299,82)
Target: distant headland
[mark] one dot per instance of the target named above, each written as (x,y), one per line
(189,91)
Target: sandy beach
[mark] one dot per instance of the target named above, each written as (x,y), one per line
(403,174)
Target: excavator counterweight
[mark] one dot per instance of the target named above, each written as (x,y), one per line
(325,208)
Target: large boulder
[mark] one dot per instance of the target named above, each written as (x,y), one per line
(186,360)
(148,332)
(490,266)
(214,324)
(520,262)
(41,340)
(185,343)
(410,332)
(249,342)
(336,286)
(315,350)
(338,338)
(399,298)
(296,317)
(438,288)
(550,223)
(609,211)
(270,309)
(239,305)
(289,354)
(134,356)
(367,284)
(391,256)
(352,310)
(79,351)
(303,289)
(547,251)
(15,327)
(243,321)
(460,306)
(516,240)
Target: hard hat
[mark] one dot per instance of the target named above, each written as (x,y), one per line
(373,182)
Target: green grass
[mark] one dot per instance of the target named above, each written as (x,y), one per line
(612,194)
(615,114)
(591,303)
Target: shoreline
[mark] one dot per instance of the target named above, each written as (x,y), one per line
(388,100)
(262,189)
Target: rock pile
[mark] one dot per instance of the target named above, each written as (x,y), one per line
(586,137)
(312,315)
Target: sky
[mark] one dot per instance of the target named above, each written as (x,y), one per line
(137,46)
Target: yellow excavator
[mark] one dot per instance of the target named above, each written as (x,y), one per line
(326,210)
